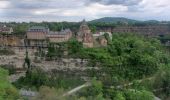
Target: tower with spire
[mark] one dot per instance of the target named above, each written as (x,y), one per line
(84,35)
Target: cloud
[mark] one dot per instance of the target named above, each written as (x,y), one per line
(76,10)
(117,2)
(4,4)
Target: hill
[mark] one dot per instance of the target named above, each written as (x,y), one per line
(114,20)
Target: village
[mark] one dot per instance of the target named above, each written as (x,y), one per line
(32,50)
(39,37)
(84,50)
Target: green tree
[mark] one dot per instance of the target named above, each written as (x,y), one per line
(138,95)
(96,88)
(74,46)
(7,91)
(135,56)
(119,96)
(161,83)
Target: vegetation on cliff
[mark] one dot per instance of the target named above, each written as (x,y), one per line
(7,90)
(128,59)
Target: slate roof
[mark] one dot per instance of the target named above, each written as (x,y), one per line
(38,27)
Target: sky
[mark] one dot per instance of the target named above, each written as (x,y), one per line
(77,10)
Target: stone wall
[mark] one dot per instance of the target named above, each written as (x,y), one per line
(146,30)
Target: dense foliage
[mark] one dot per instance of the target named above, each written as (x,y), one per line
(128,56)
(7,91)
(37,78)
(128,59)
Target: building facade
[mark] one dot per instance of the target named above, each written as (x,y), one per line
(5,29)
(6,36)
(37,36)
(57,37)
(84,35)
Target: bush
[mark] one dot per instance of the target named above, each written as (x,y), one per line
(7,91)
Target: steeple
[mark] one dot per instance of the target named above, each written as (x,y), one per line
(84,35)
(84,26)
(84,22)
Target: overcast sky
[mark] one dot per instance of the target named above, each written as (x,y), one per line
(76,10)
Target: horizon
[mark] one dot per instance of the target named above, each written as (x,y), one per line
(76,10)
(82,20)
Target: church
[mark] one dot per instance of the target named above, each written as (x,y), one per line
(85,35)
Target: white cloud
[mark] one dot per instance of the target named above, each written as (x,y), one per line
(91,10)
(75,10)
(155,6)
(4,4)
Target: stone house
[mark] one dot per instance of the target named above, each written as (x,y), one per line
(5,29)
(102,41)
(62,36)
(37,36)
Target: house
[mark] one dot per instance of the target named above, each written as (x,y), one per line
(84,35)
(5,29)
(62,36)
(98,34)
(37,36)
(102,40)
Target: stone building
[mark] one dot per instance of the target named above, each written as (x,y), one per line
(98,34)
(5,29)
(37,36)
(102,40)
(84,35)
(62,36)
(149,30)
(6,37)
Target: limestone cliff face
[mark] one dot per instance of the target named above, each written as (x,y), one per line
(9,40)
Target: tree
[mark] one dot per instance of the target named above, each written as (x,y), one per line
(106,35)
(74,46)
(97,87)
(119,96)
(135,56)
(161,81)
(138,95)
(7,91)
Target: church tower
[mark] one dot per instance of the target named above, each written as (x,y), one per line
(84,35)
